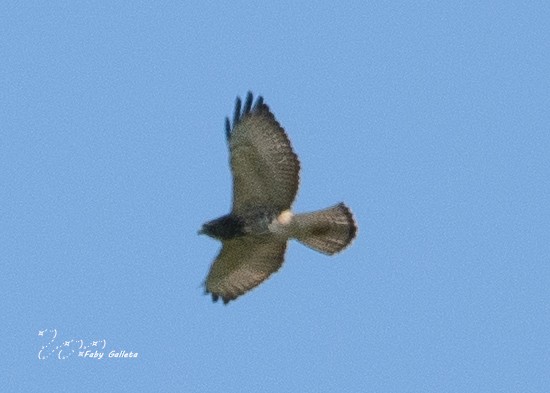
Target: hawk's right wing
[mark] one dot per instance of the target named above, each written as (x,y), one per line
(265,169)
(243,263)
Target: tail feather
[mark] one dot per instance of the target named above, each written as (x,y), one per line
(328,231)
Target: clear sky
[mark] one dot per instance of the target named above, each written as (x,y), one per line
(429,119)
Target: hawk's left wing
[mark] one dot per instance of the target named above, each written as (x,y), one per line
(243,263)
(264,166)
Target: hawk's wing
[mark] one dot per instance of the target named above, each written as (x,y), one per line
(265,169)
(242,264)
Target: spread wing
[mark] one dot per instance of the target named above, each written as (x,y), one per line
(265,169)
(243,263)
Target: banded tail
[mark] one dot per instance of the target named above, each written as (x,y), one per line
(328,231)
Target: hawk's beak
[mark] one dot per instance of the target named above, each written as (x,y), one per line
(200,231)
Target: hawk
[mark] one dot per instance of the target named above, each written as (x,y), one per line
(265,181)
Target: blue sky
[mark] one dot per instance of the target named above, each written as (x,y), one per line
(429,119)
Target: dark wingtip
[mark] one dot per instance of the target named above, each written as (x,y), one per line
(241,110)
(259,102)
(247,103)
(216,297)
(227,128)
(237,113)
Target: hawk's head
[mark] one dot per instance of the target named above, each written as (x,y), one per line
(223,228)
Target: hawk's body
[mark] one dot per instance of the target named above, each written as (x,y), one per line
(265,181)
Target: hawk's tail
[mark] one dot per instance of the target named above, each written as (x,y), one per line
(328,231)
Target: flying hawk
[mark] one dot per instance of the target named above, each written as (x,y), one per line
(265,181)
